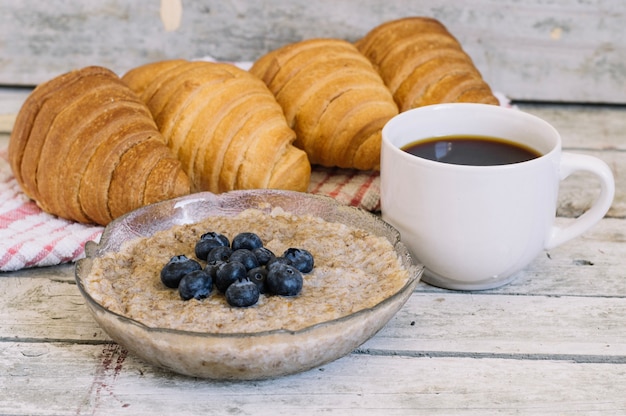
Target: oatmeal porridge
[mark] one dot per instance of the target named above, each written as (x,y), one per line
(354,270)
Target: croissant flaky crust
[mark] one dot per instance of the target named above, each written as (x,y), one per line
(223,124)
(86,148)
(332,97)
(422,63)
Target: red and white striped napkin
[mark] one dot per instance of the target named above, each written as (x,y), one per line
(30,237)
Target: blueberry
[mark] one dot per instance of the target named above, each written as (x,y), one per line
(246,240)
(300,259)
(263,255)
(211,267)
(227,273)
(176,268)
(209,241)
(242,293)
(246,257)
(276,261)
(221,238)
(284,280)
(220,253)
(258,276)
(197,284)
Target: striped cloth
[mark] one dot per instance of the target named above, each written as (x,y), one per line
(30,237)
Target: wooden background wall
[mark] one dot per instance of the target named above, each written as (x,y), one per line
(542,50)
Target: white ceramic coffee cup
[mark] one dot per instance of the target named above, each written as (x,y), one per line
(475,227)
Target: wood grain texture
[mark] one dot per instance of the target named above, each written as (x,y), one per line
(561,50)
(56,379)
(588,322)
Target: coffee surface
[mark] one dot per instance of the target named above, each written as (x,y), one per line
(471,150)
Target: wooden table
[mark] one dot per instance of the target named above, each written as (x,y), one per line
(551,342)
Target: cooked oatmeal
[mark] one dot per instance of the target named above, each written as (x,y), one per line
(353,270)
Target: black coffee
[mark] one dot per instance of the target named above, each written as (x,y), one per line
(472,150)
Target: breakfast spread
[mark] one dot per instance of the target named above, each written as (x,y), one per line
(168,128)
(353,270)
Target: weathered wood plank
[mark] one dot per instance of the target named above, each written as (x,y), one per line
(563,50)
(578,192)
(59,379)
(591,265)
(495,322)
(585,127)
(28,302)
(483,325)
(11,99)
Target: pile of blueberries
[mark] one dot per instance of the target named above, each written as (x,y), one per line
(241,270)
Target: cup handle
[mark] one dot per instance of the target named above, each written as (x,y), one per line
(570,163)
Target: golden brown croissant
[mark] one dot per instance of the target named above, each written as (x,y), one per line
(422,63)
(85,148)
(332,97)
(223,124)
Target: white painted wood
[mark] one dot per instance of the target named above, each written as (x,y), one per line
(578,192)
(53,379)
(591,265)
(560,50)
(431,322)
(11,100)
(588,127)
(577,328)
(27,302)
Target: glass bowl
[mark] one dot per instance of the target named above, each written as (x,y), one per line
(242,356)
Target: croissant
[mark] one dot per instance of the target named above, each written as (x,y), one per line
(422,63)
(223,124)
(332,97)
(85,148)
